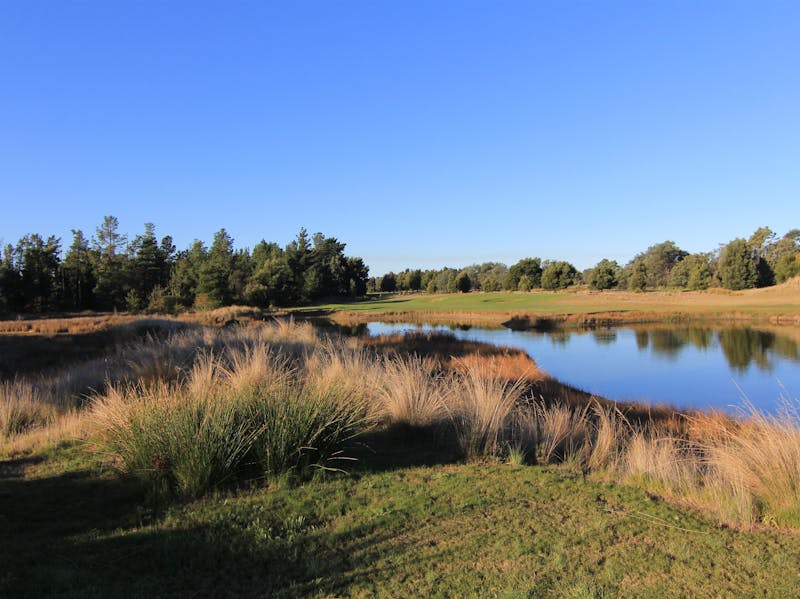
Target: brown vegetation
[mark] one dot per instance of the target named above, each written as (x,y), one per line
(473,400)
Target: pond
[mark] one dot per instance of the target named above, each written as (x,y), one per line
(687,367)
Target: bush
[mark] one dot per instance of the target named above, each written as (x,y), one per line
(604,275)
(558,275)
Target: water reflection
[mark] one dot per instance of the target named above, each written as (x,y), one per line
(742,347)
(686,366)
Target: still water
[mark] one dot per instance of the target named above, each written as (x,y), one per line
(687,367)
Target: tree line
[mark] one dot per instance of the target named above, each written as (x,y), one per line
(111,271)
(762,260)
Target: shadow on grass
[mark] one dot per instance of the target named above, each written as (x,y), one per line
(402,446)
(77,535)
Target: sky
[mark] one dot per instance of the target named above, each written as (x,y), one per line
(420,133)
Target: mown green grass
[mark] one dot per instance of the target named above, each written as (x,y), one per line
(419,530)
(756,303)
(459,302)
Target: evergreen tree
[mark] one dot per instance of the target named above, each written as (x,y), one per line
(214,276)
(39,263)
(8,281)
(357,275)
(185,276)
(463,282)
(111,287)
(78,274)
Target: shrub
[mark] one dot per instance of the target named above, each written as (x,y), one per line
(558,275)
(604,275)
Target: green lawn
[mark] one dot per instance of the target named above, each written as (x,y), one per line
(458,302)
(654,305)
(402,530)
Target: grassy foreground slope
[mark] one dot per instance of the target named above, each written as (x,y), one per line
(402,531)
(781,302)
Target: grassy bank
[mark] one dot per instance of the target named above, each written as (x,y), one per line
(395,529)
(779,304)
(270,460)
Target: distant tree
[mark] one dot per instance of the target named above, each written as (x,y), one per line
(525,283)
(298,257)
(760,243)
(9,282)
(357,274)
(700,277)
(784,256)
(150,266)
(272,284)
(389,282)
(78,274)
(463,282)
(451,276)
(788,266)
(414,280)
(659,260)
(680,275)
(431,287)
(737,270)
(491,276)
(241,273)
(186,274)
(109,266)
(604,275)
(5,284)
(214,276)
(558,275)
(527,266)
(39,262)
(637,280)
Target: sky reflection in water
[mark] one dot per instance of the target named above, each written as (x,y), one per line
(688,367)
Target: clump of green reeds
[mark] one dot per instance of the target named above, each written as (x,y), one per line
(244,414)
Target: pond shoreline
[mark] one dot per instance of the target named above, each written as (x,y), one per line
(537,322)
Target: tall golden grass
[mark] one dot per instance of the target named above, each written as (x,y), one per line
(192,409)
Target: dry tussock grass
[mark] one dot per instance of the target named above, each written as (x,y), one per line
(412,391)
(745,470)
(72,325)
(480,403)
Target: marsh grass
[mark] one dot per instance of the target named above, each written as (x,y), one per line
(481,403)
(244,413)
(189,408)
(23,406)
(412,392)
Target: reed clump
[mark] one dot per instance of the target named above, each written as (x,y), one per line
(247,414)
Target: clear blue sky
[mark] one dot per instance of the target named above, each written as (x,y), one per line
(422,134)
